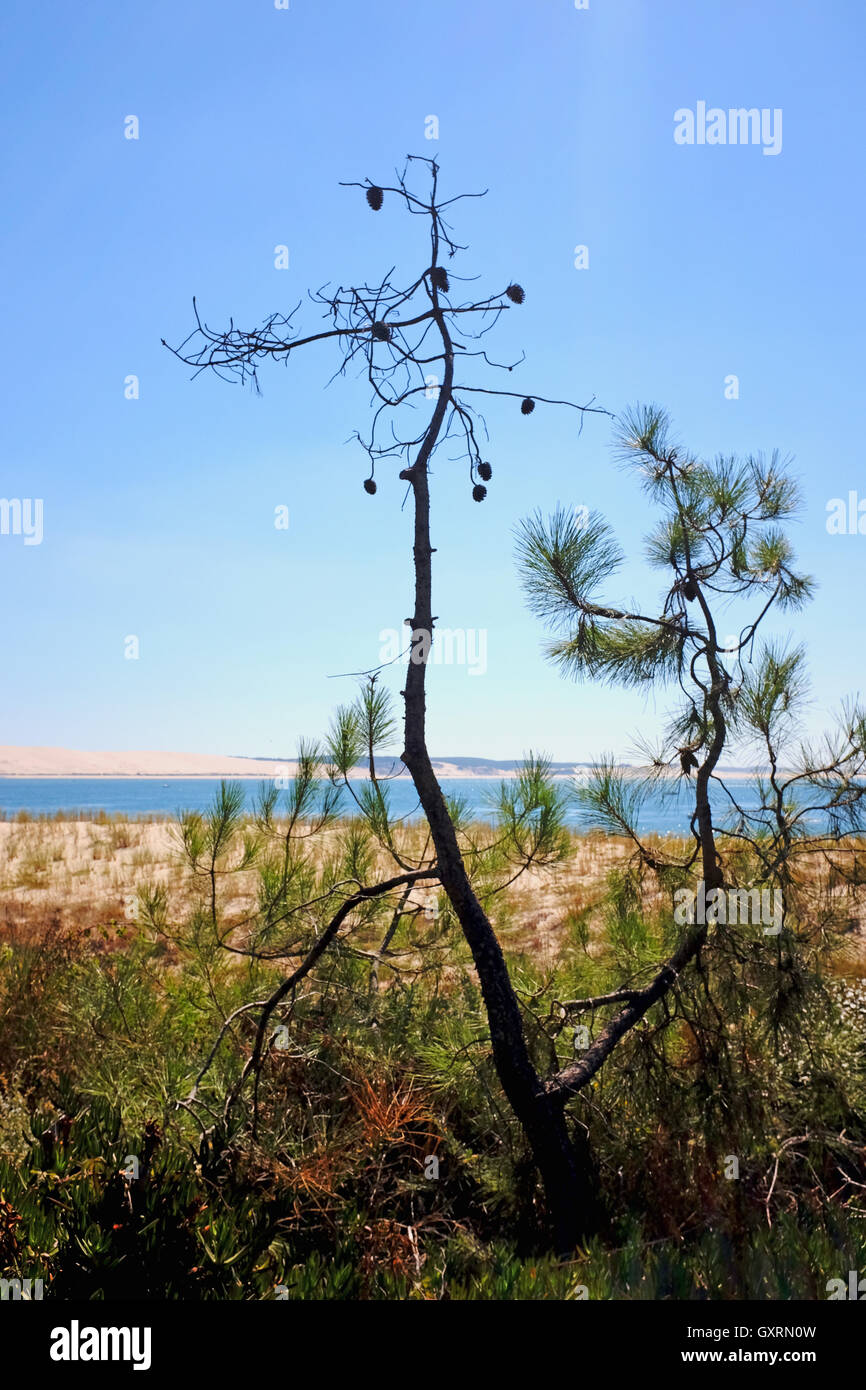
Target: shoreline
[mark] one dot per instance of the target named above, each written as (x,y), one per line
(34,763)
(730,774)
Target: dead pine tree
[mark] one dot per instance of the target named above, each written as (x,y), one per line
(396,335)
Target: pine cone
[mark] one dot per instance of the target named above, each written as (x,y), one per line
(439,276)
(687,761)
(527,406)
(515,294)
(375,197)
(485,472)
(479,492)
(370,485)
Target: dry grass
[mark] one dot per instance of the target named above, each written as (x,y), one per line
(81,871)
(86,873)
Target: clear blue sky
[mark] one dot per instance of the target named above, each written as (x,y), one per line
(158,513)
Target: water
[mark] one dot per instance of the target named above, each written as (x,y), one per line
(667,810)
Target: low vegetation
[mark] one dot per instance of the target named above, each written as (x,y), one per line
(371,1152)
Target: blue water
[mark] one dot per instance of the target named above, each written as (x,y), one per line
(667,810)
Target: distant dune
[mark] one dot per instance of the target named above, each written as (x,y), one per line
(71,762)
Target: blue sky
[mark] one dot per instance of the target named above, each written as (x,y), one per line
(704,261)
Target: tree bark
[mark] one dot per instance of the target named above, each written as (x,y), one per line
(541,1115)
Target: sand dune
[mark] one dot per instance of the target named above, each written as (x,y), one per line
(71,762)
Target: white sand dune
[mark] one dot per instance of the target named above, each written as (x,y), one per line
(71,762)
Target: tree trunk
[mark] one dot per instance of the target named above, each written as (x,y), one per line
(542,1117)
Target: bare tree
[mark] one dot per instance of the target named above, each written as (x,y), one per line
(400,336)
